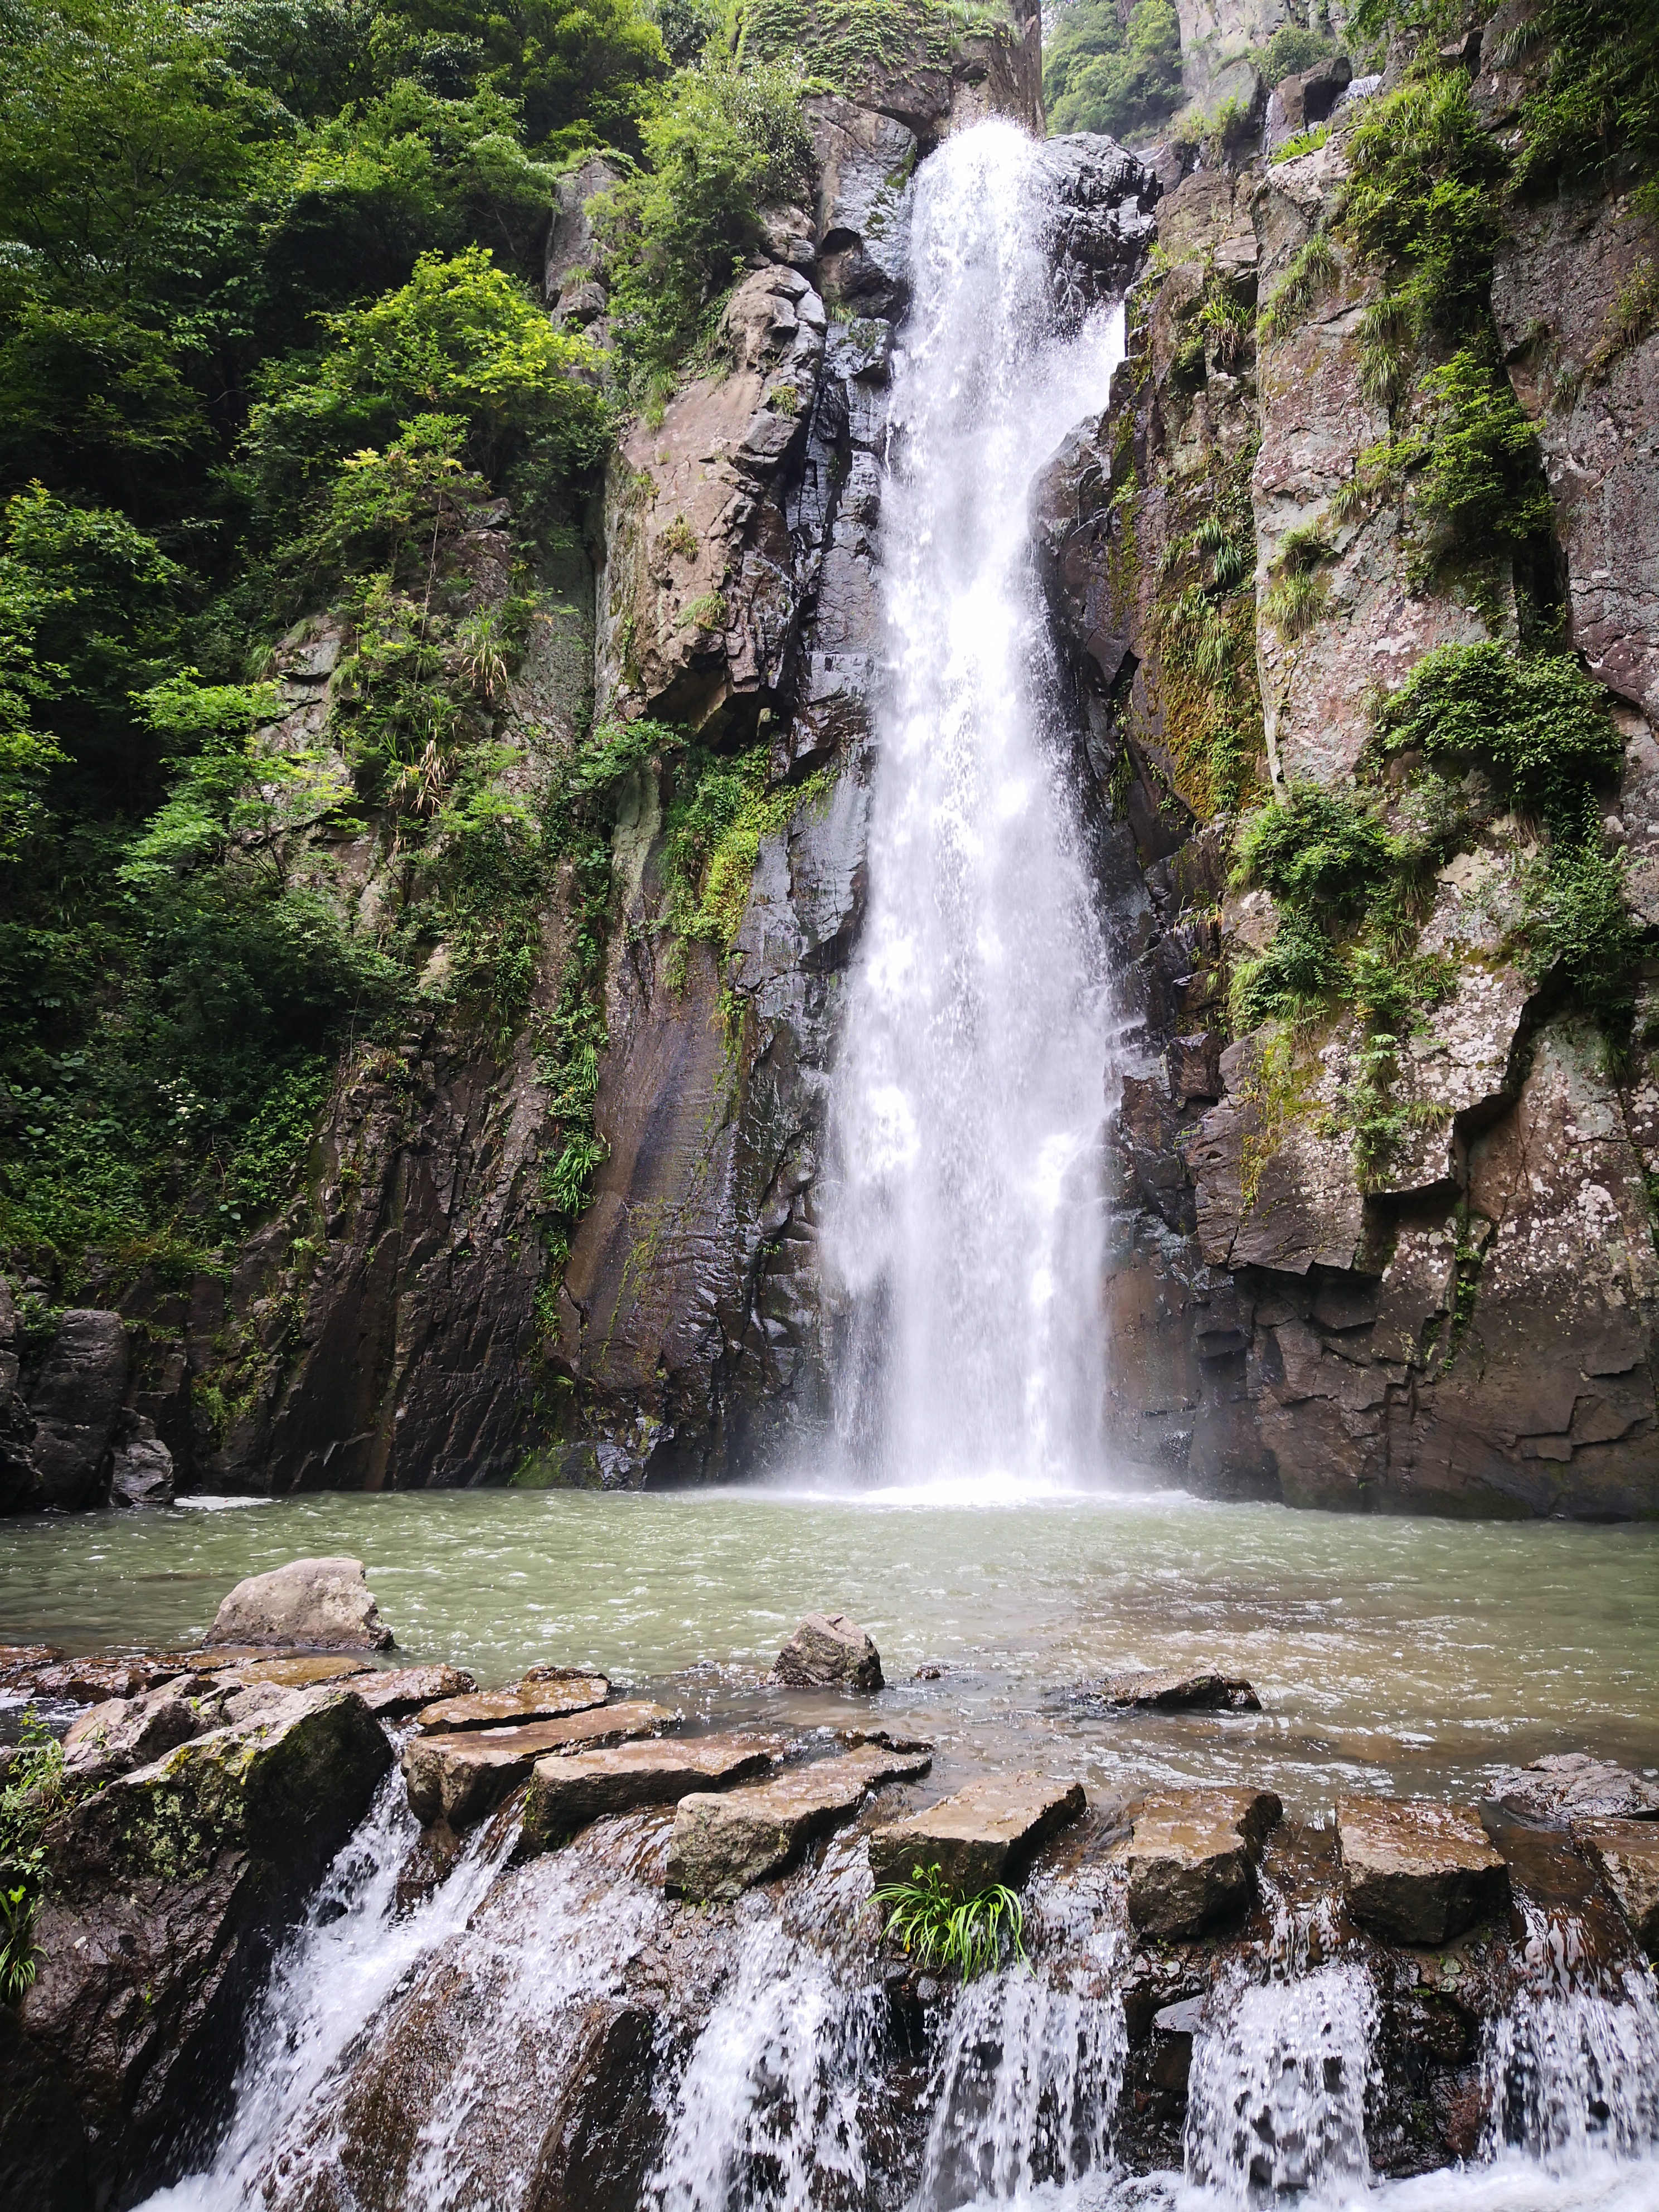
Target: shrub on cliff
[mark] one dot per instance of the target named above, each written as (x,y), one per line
(1104,69)
(725,144)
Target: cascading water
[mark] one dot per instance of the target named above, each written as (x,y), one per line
(965,1222)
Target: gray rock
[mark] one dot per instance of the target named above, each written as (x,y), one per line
(1627,1854)
(323,1603)
(987,1833)
(123,1733)
(459,1778)
(394,1693)
(1166,1690)
(829,1651)
(722,1845)
(141,1473)
(76,1401)
(1571,1785)
(566,1793)
(1192,1859)
(1415,1871)
(556,1692)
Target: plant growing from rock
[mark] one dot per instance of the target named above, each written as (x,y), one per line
(33,1792)
(943,1931)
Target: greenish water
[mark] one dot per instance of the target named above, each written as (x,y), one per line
(1394,1654)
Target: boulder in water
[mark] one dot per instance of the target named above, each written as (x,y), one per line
(544,1700)
(1571,1785)
(394,1693)
(722,1845)
(1627,1854)
(1167,1690)
(459,1778)
(324,1605)
(1416,1871)
(1192,1858)
(76,1401)
(141,1473)
(985,1833)
(829,1651)
(566,1793)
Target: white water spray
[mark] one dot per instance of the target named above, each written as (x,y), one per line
(965,1218)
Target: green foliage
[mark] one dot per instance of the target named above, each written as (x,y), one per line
(724,144)
(1540,724)
(1300,142)
(1596,107)
(1291,49)
(583,71)
(1484,484)
(720,810)
(1317,851)
(461,344)
(1579,925)
(1312,270)
(1101,72)
(32,1791)
(942,1931)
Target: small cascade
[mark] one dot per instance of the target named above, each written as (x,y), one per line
(1276,2099)
(766,2116)
(1025,2088)
(1572,2070)
(330,1979)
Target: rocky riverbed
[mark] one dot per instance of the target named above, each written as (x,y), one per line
(626,1940)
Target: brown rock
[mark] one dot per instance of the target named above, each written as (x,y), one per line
(460,1777)
(559,1692)
(566,1793)
(302,1670)
(985,1833)
(1192,1858)
(1167,1690)
(722,1846)
(322,1604)
(1416,1871)
(1628,1853)
(829,1651)
(123,1733)
(93,1681)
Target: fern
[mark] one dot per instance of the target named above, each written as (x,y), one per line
(943,1930)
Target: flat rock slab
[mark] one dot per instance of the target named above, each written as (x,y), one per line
(459,1778)
(301,1673)
(566,1793)
(985,1833)
(544,1700)
(829,1651)
(1416,1871)
(1165,1690)
(1192,1858)
(1628,1853)
(394,1693)
(1571,1785)
(92,1681)
(722,1846)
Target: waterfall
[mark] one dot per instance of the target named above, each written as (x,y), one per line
(964,1216)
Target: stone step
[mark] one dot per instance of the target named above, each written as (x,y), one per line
(1192,1858)
(460,1777)
(987,1833)
(1627,1854)
(1418,1872)
(394,1693)
(566,1793)
(722,1846)
(544,1697)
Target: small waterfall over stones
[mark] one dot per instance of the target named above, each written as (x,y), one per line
(964,1223)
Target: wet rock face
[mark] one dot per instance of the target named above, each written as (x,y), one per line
(169,1883)
(459,1778)
(1571,1785)
(325,1604)
(1192,1858)
(1465,1321)
(988,1832)
(723,1845)
(76,1401)
(1627,1854)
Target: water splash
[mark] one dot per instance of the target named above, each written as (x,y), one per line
(1572,2070)
(964,1216)
(327,1982)
(1276,2099)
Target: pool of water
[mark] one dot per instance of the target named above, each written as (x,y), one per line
(1395,1654)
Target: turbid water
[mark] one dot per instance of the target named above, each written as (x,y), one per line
(1407,1654)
